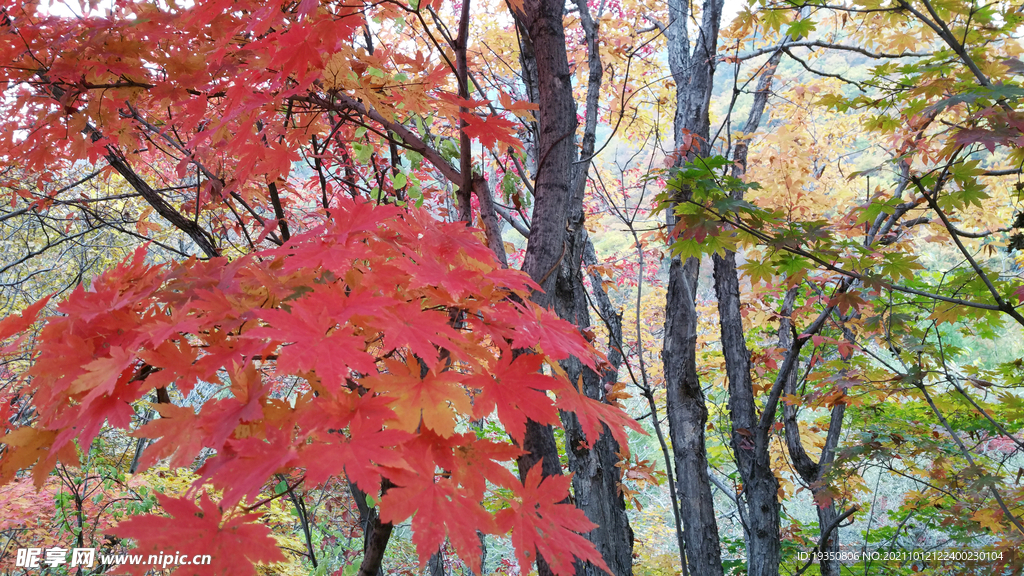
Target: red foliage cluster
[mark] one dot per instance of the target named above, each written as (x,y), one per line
(361,348)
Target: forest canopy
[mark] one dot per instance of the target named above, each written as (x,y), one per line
(535,286)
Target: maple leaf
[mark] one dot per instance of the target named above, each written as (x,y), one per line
(423,332)
(113,407)
(990,519)
(317,342)
(441,506)
(999,136)
(421,400)
(220,418)
(329,412)
(947,313)
(476,461)
(178,433)
(235,543)
(492,130)
(438,509)
(27,445)
(759,271)
(168,323)
(459,101)
(102,374)
(823,496)
(16,324)
(594,416)
(359,457)
(541,523)
(555,337)
(178,365)
(242,466)
(517,393)
(521,109)
(847,300)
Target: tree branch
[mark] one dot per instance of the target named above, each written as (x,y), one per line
(828,46)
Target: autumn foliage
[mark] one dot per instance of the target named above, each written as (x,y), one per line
(258,272)
(363,347)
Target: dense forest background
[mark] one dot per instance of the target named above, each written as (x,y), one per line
(533,286)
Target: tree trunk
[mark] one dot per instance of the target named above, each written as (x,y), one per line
(376,534)
(749,440)
(687,418)
(595,475)
(687,410)
(556,151)
(435,566)
(543,36)
(811,472)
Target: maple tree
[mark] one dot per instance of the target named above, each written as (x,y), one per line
(274,287)
(264,318)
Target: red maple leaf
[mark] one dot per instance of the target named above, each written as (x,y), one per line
(541,522)
(17,324)
(517,391)
(319,343)
(243,466)
(178,365)
(492,130)
(437,509)
(234,543)
(179,436)
(846,300)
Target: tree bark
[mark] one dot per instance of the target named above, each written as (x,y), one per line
(435,566)
(376,534)
(750,438)
(686,404)
(543,37)
(687,418)
(595,475)
(554,254)
(811,472)
(464,192)
(542,22)
(489,220)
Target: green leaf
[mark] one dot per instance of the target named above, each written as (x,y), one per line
(801,28)
(896,265)
(774,19)
(759,270)
(415,159)
(449,151)
(363,151)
